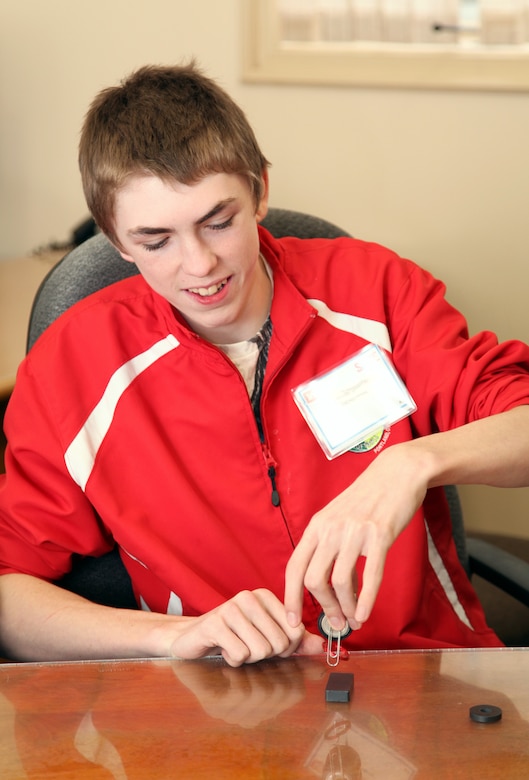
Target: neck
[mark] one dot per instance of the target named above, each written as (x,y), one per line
(251,321)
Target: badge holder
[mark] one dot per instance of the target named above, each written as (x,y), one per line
(346,405)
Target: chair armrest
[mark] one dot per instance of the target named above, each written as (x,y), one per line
(499,567)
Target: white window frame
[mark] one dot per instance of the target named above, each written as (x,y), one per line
(419,66)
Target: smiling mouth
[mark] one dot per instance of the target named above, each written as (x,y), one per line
(204,292)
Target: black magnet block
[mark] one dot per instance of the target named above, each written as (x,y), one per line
(339,687)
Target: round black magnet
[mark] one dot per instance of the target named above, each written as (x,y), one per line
(485,713)
(327,630)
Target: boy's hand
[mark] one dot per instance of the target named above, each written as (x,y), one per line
(249,627)
(363,520)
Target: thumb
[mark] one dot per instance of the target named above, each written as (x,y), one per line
(311,644)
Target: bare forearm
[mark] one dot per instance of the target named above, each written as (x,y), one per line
(493,451)
(39,621)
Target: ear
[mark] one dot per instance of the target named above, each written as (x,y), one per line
(123,255)
(127,258)
(112,239)
(262,206)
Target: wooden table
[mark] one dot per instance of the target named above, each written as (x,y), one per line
(408,718)
(19,280)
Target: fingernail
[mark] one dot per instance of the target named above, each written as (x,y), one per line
(336,623)
(292,619)
(361,614)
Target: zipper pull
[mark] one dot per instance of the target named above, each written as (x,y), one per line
(275,493)
(272,475)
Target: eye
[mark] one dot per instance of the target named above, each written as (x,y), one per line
(222,225)
(158,245)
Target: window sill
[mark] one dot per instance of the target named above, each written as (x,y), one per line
(268,60)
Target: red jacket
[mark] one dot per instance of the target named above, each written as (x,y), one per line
(127,426)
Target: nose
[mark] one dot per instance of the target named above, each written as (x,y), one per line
(198,259)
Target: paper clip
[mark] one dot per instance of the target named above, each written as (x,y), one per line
(333,659)
(333,656)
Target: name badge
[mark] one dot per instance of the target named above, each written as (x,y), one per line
(354,400)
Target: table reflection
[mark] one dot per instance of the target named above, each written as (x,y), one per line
(164,719)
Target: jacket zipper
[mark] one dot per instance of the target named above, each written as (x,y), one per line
(269,460)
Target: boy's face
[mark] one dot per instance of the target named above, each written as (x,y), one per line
(197,246)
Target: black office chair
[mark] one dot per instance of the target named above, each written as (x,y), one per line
(95,264)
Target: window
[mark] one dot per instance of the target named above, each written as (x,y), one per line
(458,44)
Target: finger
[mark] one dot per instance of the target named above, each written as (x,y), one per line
(371,580)
(311,644)
(209,635)
(345,586)
(257,641)
(318,582)
(259,620)
(294,580)
(283,637)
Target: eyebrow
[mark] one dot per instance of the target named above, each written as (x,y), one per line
(215,210)
(154,231)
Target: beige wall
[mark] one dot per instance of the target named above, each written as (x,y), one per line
(442,177)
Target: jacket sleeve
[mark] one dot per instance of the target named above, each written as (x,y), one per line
(454,378)
(44,516)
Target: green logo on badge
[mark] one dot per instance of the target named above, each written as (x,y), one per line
(370,443)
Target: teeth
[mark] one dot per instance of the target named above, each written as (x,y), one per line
(204,291)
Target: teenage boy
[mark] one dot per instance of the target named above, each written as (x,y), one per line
(263,427)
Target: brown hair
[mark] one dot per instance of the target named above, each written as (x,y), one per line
(170,122)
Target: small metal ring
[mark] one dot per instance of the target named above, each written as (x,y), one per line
(327,630)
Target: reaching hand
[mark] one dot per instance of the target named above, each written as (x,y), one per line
(363,520)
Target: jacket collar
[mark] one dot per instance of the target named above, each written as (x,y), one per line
(290,312)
